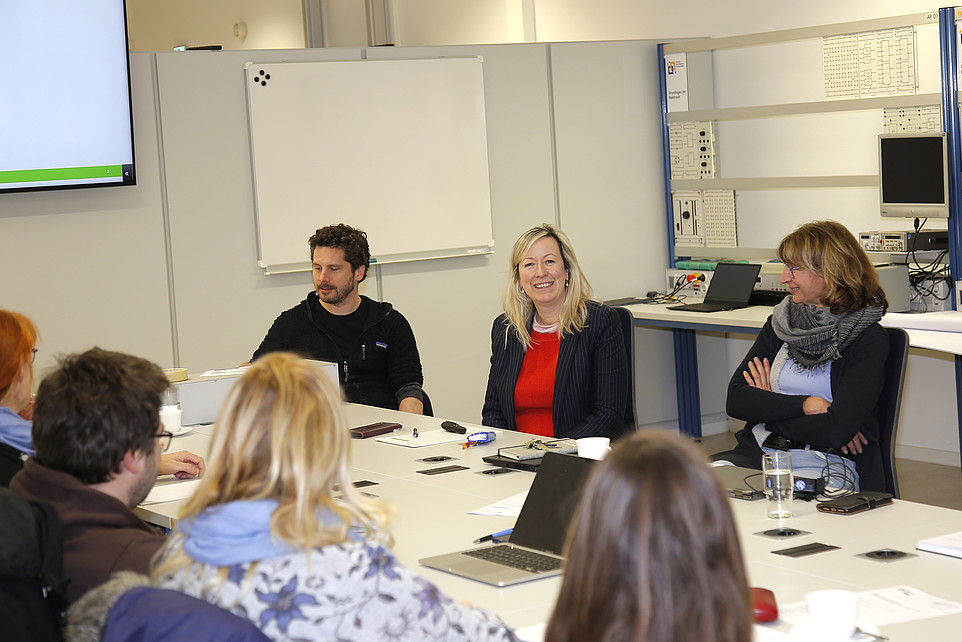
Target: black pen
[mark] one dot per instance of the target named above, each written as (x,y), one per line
(488,538)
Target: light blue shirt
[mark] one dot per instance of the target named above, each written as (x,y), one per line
(15,431)
(815,382)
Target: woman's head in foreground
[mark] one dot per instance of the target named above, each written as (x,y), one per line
(652,553)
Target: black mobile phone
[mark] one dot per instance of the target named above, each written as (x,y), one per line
(855,503)
(778,442)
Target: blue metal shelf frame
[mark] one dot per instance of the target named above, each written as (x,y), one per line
(686,360)
(949,51)
(687,391)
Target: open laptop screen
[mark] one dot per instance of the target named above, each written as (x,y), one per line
(732,282)
(551,502)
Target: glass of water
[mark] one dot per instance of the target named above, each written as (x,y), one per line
(779,483)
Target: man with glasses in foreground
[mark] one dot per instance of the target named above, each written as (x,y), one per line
(98,441)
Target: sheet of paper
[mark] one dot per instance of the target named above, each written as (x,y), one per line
(171,491)
(205,429)
(510,507)
(533,633)
(764,634)
(950,544)
(226,372)
(425,438)
(884,606)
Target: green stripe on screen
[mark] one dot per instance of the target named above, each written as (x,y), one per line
(61,174)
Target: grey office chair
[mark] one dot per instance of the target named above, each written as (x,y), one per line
(890,402)
(628,331)
(428,407)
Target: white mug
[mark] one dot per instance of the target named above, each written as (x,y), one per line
(594,447)
(170,418)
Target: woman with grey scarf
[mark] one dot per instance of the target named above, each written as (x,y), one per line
(812,379)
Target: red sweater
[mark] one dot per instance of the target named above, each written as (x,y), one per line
(534,391)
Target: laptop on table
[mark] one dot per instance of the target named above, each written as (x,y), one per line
(534,548)
(730,288)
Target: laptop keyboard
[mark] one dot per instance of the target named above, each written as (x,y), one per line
(517,558)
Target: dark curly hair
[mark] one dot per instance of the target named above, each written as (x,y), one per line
(95,407)
(344,237)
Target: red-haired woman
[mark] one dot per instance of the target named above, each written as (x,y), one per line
(18,338)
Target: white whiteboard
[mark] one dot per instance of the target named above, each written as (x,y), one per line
(396,148)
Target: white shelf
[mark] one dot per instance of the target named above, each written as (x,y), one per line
(803,33)
(816,107)
(776,182)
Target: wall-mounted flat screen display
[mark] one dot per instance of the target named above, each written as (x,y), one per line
(913,175)
(65,108)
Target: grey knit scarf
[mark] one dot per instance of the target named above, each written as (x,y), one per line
(814,335)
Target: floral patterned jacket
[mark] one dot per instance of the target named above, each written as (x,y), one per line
(350,592)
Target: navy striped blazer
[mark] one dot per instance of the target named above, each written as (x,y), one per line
(591,381)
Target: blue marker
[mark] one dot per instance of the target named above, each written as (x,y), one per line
(488,538)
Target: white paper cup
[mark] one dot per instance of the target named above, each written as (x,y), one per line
(170,418)
(594,447)
(833,614)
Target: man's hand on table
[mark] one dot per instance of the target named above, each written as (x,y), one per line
(181,464)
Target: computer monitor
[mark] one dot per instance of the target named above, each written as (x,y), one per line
(65,96)
(913,175)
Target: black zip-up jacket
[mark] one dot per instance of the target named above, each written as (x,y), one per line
(383,367)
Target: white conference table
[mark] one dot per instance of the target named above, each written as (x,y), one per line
(432,519)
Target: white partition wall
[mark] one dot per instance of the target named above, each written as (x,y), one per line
(89,266)
(608,177)
(452,302)
(224,303)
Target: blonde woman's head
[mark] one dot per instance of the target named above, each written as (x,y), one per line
(280,435)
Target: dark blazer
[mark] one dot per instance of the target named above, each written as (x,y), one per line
(591,381)
(857,378)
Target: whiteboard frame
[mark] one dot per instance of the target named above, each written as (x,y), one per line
(441,98)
